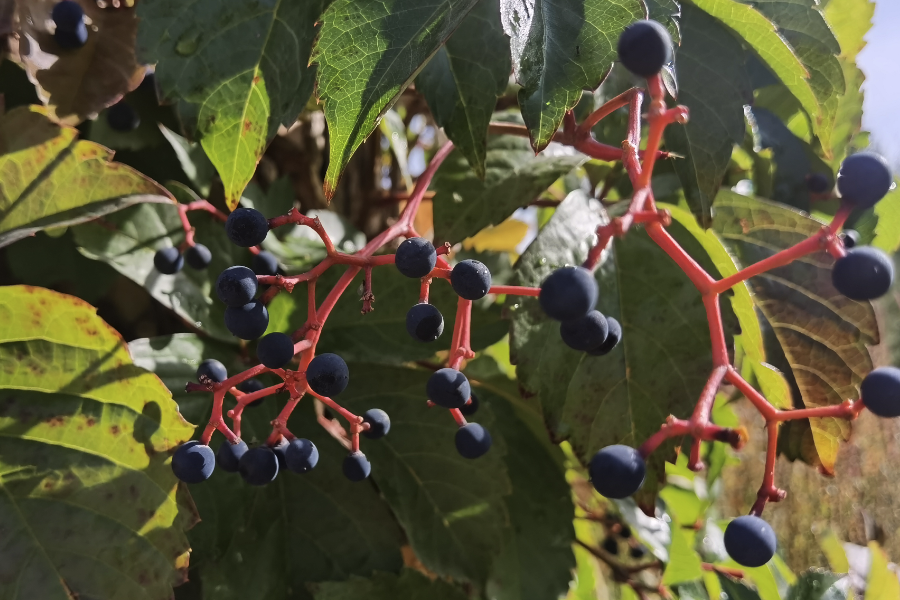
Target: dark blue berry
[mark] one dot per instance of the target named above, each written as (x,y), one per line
(379,423)
(212,369)
(122,117)
(472,440)
(236,286)
(471,407)
(259,466)
(71,39)
(750,541)
(568,293)
(265,263)
(280,449)
(327,375)
(424,322)
(613,337)
(645,47)
(415,257)
(818,183)
(864,179)
(67,14)
(168,261)
(617,471)
(275,350)
(880,391)
(585,333)
(470,279)
(448,388)
(302,456)
(246,227)
(229,455)
(198,256)
(193,462)
(250,386)
(356,466)
(850,238)
(247,322)
(864,273)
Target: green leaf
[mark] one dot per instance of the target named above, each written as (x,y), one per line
(381,336)
(887,229)
(193,160)
(88,503)
(394,129)
(667,12)
(50,179)
(128,240)
(461,84)
(242,66)
(560,48)
(834,552)
(684,563)
(658,369)
(816,585)
(409,584)
(76,86)
(761,35)
(714,85)
(735,590)
(514,176)
(367,54)
(823,334)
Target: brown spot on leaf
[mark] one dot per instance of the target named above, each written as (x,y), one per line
(55,421)
(114,430)
(91,421)
(247,125)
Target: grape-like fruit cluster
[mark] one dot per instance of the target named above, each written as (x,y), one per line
(569,295)
(71,30)
(169,261)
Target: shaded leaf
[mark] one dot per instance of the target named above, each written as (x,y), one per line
(658,369)
(77,85)
(50,179)
(463,79)
(89,504)
(367,54)
(714,85)
(128,240)
(667,12)
(735,590)
(514,176)
(381,336)
(243,67)
(814,585)
(560,48)
(410,585)
(823,334)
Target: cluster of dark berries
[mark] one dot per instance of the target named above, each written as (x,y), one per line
(471,280)
(568,295)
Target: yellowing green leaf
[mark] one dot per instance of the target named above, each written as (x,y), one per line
(882,583)
(50,179)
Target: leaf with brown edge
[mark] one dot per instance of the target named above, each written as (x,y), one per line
(89,506)
(824,335)
(77,84)
(48,178)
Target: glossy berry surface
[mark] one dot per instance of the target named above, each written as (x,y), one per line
(71,40)
(568,293)
(168,261)
(613,337)
(122,117)
(424,322)
(617,471)
(750,541)
(585,333)
(67,14)
(644,48)
(328,375)
(247,322)
(472,440)
(415,257)
(379,423)
(448,388)
(246,227)
(880,392)
(280,449)
(198,256)
(265,263)
(356,466)
(193,462)
(301,456)
(229,455)
(212,369)
(258,466)
(236,286)
(275,350)
(850,238)
(470,279)
(818,183)
(865,273)
(471,407)
(864,179)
